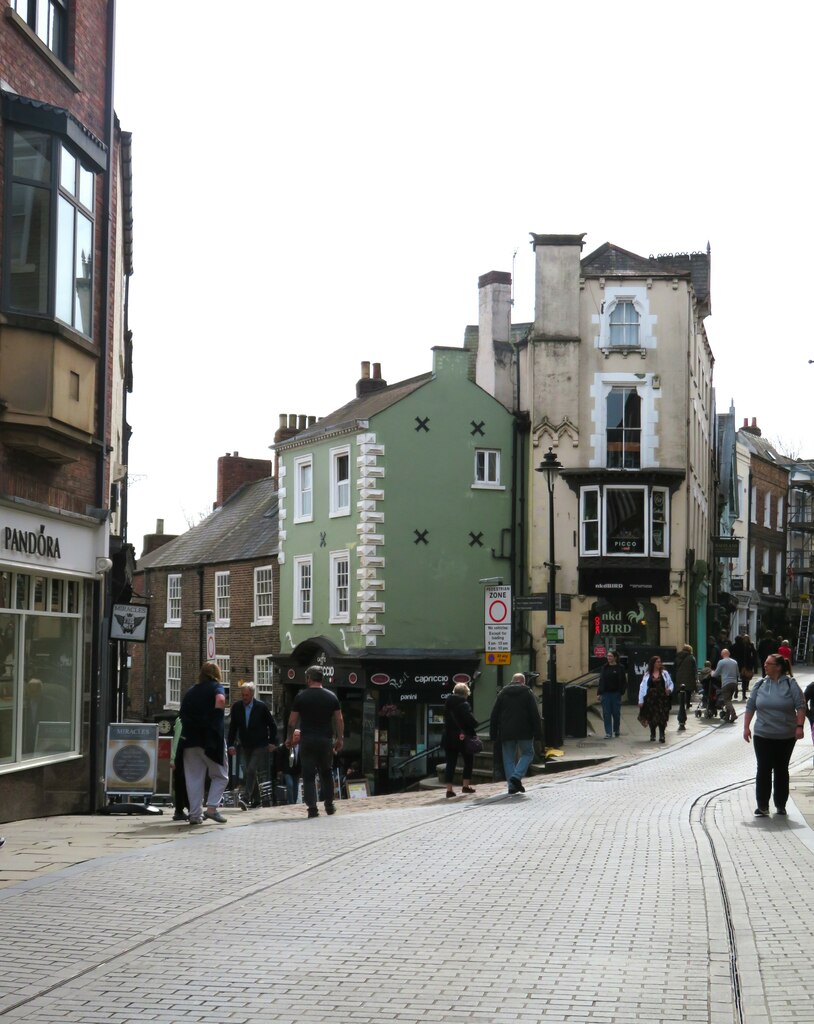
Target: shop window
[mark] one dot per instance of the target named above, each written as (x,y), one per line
(49,233)
(340,482)
(222,599)
(303,582)
(590,520)
(340,586)
(263,595)
(624,428)
(173,680)
(173,600)
(625,521)
(40,675)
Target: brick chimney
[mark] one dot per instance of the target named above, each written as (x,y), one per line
(157,539)
(494,324)
(753,429)
(234,472)
(366,383)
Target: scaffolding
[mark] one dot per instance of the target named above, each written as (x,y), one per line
(800,554)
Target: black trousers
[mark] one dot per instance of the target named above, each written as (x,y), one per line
(317,756)
(772,758)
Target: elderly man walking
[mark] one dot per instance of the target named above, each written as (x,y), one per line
(516,722)
(251,722)
(728,675)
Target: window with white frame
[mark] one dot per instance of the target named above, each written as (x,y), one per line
(264,677)
(222,602)
(173,600)
(487,467)
(340,586)
(623,324)
(263,595)
(224,663)
(47,18)
(303,588)
(303,489)
(625,521)
(340,482)
(766,578)
(767,509)
(780,510)
(624,428)
(589,517)
(173,680)
(778,573)
(753,504)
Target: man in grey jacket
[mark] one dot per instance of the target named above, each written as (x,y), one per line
(516,722)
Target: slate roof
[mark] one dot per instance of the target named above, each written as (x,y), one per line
(613,261)
(762,448)
(362,408)
(243,528)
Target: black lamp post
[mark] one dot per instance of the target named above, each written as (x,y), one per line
(554,719)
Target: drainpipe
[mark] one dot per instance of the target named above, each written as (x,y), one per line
(100,668)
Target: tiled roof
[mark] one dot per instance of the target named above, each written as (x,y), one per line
(243,528)
(362,408)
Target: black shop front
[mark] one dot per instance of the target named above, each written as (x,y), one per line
(392,702)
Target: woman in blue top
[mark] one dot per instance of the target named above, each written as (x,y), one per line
(780,707)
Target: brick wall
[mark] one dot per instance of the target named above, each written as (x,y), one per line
(241,641)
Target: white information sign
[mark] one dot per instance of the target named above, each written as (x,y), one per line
(211,647)
(498,619)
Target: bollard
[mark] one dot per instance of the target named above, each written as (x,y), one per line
(682,710)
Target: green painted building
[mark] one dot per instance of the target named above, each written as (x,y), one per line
(393,511)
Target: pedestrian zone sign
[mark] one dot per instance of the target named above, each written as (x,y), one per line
(497,620)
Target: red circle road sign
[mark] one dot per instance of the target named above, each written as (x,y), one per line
(497,611)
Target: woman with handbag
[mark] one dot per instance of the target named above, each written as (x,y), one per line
(459,728)
(780,707)
(654,698)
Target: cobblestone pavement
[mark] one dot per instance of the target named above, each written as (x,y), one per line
(640,893)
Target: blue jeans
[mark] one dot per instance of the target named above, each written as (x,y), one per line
(611,712)
(516,769)
(292,787)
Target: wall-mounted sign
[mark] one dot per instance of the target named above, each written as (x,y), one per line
(60,544)
(129,622)
(612,582)
(726,547)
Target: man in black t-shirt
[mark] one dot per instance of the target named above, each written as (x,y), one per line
(318,716)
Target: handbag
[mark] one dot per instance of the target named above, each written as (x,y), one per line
(473,744)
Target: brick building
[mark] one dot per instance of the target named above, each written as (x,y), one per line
(223,572)
(65,257)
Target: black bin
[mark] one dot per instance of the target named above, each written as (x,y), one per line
(553,714)
(576,712)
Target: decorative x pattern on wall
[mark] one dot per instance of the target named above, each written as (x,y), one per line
(476,539)
(422,424)
(477,428)
(421,536)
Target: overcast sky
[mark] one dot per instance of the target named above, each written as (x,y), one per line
(316,184)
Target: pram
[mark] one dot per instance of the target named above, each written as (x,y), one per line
(707,706)
(717,701)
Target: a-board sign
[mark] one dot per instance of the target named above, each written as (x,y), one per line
(132,759)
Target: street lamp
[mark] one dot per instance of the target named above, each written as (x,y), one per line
(555,721)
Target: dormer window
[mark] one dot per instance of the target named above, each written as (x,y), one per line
(624,325)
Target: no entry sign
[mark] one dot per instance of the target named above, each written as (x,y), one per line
(498,619)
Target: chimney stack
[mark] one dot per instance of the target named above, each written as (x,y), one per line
(234,472)
(556,299)
(152,541)
(366,384)
(494,325)
(751,429)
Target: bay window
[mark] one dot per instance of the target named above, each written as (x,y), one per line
(625,521)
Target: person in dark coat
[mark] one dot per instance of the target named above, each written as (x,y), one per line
(686,672)
(612,684)
(459,723)
(748,662)
(251,723)
(516,722)
(768,645)
(204,745)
